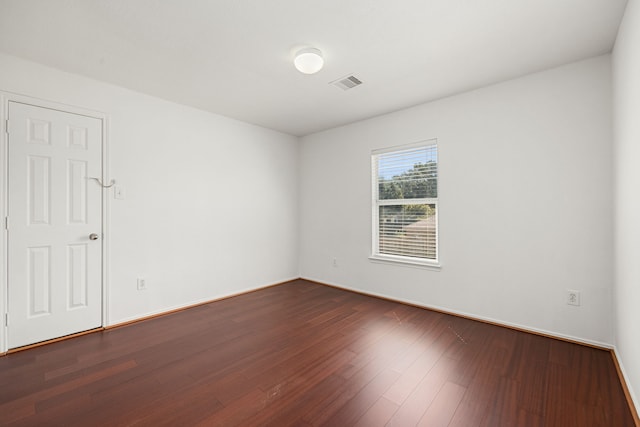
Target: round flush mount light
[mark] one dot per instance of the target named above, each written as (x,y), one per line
(308,60)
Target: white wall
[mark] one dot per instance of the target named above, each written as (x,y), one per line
(626,107)
(525,202)
(211,203)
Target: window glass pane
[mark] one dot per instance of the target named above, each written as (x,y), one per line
(410,174)
(408,230)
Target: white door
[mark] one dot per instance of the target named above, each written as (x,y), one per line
(54,264)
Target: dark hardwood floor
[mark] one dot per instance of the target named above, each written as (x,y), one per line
(303,354)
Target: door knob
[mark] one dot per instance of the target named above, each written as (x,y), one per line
(93,236)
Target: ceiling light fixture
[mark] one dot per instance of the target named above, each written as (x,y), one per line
(308,60)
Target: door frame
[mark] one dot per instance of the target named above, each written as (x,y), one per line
(5,98)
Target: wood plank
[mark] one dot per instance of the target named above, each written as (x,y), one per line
(415,406)
(378,415)
(444,406)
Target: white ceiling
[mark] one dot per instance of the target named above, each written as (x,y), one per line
(234,57)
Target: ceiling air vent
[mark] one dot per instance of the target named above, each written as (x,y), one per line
(346,83)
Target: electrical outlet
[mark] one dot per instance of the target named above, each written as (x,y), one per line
(573,297)
(335,262)
(142,284)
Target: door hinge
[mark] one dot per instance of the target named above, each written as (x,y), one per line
(6,222)
(6,126)
(6,319)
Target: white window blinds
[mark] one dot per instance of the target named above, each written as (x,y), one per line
(405,203)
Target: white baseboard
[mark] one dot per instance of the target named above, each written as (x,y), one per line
(526,328)
(626,384)
(167,310)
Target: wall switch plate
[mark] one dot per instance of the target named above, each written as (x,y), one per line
(573,297)
(118,192)
(142,284)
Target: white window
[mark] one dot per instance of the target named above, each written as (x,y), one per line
(405,203)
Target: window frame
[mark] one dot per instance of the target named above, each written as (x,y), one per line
(376,203)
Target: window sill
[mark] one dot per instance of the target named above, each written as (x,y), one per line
(405,262)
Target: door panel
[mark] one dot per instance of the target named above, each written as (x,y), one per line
(54,274)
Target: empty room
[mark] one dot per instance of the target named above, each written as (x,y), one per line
(320,213)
